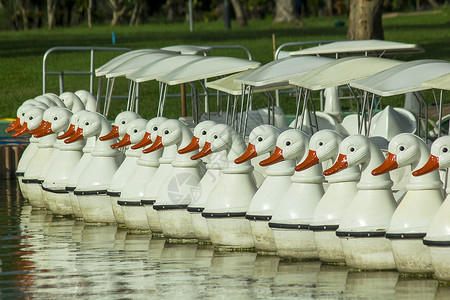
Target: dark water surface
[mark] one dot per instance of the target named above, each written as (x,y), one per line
(46,257)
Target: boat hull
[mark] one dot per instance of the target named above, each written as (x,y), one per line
(96,209)
(298,244)
(229,233)
(263,237)
(176,224)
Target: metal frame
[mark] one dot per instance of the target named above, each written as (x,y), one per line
(61,74)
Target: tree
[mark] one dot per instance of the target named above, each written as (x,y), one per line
(119,8)
(365,20)
(241,18)
(51,8)
(286,11)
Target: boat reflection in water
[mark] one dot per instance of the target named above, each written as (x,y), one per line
(42,256)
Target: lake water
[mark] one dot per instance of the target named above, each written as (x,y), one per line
(46,257)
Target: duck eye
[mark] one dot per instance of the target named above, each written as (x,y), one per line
(352,149)
(23,114)
(123,122)
(166,131)
(204,132)
(155,128)
(401,148)
(30,118)
(55,118)
(135,131)
(445,150)
(86,123)
(320,144)
(215,137)
(288,143)
(260,139)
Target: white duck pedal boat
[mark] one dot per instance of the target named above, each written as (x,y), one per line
(437,238)
(208,181)
(95,178)
(129,164)
(363,226)
(156,181)
(423,198)
(134,216)
(178,190)
(294,211)
(263,140)
(230,199)
(82,163)
(38,161)
(60,168)
(32,147)
(72,101)
(324,146)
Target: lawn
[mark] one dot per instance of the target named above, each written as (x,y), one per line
(21,52)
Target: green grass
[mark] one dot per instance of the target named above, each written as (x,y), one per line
(21,53)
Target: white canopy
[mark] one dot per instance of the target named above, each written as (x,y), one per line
(136,63)
(403,78)
(281,70)
(161,67)
(360,47)
(230,86)
(342,71)
(441,83)
(188,49)
(102,70)
(206,68)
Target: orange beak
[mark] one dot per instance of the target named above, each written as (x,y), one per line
(21,130)
(193,145)
(13,125)
(146,140)
(37,129)
(276,157)
(389,164)
(431,165)
(248,154)
(45,130)
(340,164)
(114,133)
(69,132)
(155,146)
(123,142)
(75,137)
(204,152)
(309,161)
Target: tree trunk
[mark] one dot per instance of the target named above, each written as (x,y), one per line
(286,11)
(51,8)
(170,10)
(329,8)
(241,18)
(118,9)
(23,5)
(365,20)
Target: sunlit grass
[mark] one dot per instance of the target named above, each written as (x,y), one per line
(21,52)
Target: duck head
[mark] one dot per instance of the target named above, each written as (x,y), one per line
(49,101)
(199,138)
(120,125)
(88,100)
(151,132)
(55,119)
(323,145)
(439,157)
(134,134)
(404,149)
(31,120)
(73,125)
(171,132)
(262,139)
(71,101)
(90,124)
(291,144)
